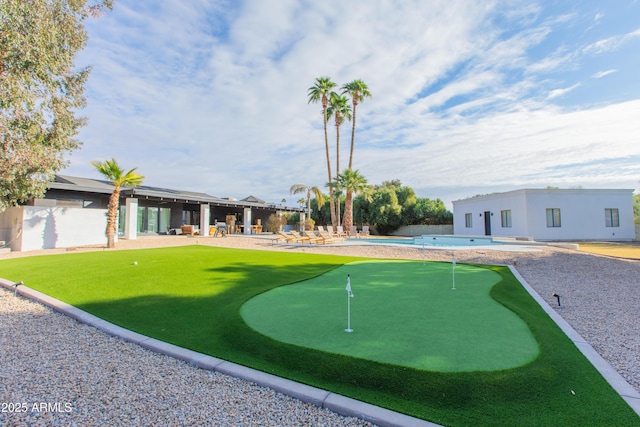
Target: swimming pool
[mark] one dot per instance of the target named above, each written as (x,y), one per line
(436,240)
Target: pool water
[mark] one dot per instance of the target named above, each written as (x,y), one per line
(436,240)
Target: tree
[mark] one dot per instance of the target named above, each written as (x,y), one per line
(40,91)
(427,212)
(393,205)
(320,214)
(358,90)
(276,222)
(385,211)
(321,92)
(301,188)
(339,109)
(351,182)
(119,178)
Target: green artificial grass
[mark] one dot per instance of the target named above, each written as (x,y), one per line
(192,297)
(406,313)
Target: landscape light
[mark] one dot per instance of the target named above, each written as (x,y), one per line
(557,297)
(15,287)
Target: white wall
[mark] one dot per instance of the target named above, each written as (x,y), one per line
(582,214)
(61,227)
(419,230)
(514,201)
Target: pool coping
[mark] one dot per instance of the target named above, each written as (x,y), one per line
(339,404)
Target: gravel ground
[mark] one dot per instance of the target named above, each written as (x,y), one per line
(85,377)
(89,378)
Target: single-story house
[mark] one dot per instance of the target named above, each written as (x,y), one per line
(73,213)
(548,214)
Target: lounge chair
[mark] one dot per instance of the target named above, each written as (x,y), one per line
(353,231)
(320,228)
(300,238)
(340,231)
(284,237)
(313,237)
(365,230)
(327,238)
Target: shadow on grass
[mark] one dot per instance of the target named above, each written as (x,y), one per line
(192,296)
(559,388)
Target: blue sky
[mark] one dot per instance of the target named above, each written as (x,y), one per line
(469,97)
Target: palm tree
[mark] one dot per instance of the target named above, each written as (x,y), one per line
(301,188)
(358,91)
(119,178)
(351,182)
(321,91)
(340,109)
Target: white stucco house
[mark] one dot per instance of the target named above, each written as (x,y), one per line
(73,213)
(548,214)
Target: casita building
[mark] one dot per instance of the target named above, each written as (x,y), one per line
(548,214)
(73,213)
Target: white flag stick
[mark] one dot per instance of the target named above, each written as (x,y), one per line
(453,273)
(349,296)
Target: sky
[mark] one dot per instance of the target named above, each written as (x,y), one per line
(468,97)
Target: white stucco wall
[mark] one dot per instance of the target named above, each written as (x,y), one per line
(61,227)
(494,203)
(582,214)
(419,230)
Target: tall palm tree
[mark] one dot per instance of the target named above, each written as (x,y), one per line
(320,92)
(340,109)
(301,188)
(119,178)
(351,182)
(358,91)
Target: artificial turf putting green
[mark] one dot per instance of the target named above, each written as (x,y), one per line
(192,297)
(405,313)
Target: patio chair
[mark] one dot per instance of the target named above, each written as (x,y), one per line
(284,237)
(188,230)
(327,238)
(312,237)
(300,238)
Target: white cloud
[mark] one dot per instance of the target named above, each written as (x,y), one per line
(601,74)
(212,96)
(560,92)
(611,43)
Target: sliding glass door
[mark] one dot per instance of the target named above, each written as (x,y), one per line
(153,219)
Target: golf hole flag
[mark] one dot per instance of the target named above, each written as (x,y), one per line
(349,296)
(349,292)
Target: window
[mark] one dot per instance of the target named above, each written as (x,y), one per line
(467,220)
(611,217)
(553,217)
(506,218)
